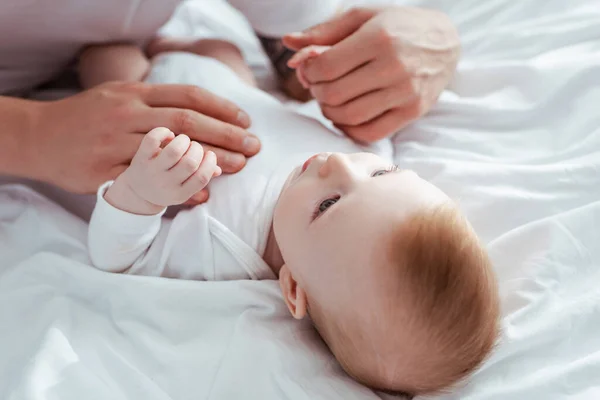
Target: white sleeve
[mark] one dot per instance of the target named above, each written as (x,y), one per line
(276,18)
(118,240)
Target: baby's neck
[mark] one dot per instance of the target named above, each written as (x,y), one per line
(272,255)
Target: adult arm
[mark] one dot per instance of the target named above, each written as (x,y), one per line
(17,120)
(82,141)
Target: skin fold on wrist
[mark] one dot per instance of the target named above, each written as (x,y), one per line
(121,195)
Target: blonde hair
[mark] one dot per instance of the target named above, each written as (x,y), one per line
(440,306)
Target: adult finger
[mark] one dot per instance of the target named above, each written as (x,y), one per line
(198,198)
(370,105)
(188,164)
(196,99)
(229,161)
(151,142)
(330,32)
(347,55)
(370,77)
(384,125)
(205,129)
(173,152)
(305,54)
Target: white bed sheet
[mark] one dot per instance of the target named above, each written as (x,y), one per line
(516,140)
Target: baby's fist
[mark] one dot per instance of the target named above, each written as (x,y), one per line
(171,174)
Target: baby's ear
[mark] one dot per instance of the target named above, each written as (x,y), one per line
(293,294)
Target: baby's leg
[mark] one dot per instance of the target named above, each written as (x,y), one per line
(225,52)
(112,62)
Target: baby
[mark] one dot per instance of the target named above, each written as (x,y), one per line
(392,275)
(131,63)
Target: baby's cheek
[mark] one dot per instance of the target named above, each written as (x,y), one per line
(283,215)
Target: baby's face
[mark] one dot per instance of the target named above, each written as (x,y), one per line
(335,217)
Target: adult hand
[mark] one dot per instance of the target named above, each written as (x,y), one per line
(84,140)
(386,67)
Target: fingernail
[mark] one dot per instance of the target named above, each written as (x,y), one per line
(251,144)
(243,119)
(295,35)
(235,160)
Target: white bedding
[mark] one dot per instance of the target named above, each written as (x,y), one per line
(516,140)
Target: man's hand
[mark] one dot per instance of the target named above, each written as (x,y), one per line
(84,140)
(386,67)
(161,177)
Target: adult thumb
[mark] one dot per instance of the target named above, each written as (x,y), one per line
(330,32)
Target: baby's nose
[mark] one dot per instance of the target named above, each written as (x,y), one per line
(339,164)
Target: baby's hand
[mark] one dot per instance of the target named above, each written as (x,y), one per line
(301,57)
(171,175)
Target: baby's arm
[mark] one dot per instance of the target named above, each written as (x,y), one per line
(221,50)
(112,62)
(127,218)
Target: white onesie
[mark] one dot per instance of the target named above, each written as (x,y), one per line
(225,238)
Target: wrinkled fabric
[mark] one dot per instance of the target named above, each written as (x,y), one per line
(515,139)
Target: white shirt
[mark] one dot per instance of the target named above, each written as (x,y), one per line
(39,39)
(226,237)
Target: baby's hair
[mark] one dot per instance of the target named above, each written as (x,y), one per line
(454,294)
(440,305)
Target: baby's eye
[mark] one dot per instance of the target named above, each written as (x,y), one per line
(380,172)
(325,204)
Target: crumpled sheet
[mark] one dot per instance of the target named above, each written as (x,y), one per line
(515,139)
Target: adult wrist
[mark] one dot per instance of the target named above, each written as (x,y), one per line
(19,155)
(38,130)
